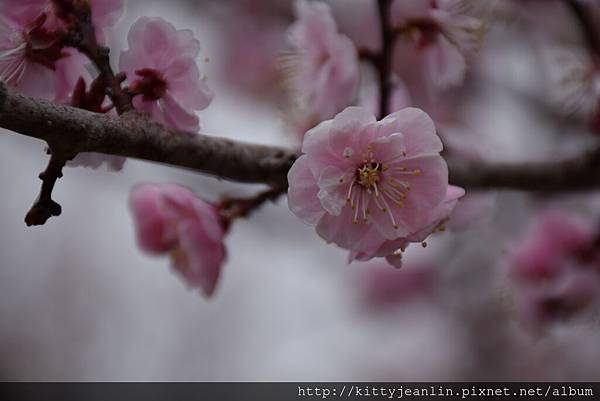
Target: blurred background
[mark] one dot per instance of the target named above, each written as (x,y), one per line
(80,301)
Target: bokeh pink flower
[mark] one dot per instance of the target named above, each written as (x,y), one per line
(555,268)
(442,35)
(372,186)
(162,71)
(172,219)
(323,67)
(32,58)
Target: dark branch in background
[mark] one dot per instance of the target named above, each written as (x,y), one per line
(589,27)
(383,61)
(576,174)
(133,135)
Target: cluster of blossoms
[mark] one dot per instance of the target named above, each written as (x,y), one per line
(33,54)
(370,186)
(432,41)
(555,267)
(37,58)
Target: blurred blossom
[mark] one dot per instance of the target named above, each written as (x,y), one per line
(105,13)
(372,187)
(555,268)
(359,20)
(171,219)
(161,67)
(322,68)
(32,56)
(574,82)
(441,35)
(257,58)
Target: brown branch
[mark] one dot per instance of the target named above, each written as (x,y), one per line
(44,207)
(69,130)
(82,36)
(233,208)
(576,174)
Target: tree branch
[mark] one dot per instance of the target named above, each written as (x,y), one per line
(576,174)
(44,207)
(83,37)
(69,130)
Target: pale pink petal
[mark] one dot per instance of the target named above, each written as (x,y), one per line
(144,203)
(302,197)
(340,230)
(418,130)
(177,116)
(201,259)
(447,66)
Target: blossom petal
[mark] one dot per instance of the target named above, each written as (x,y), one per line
(302,194)
(418,130)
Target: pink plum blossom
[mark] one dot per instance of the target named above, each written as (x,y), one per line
(554,268)
(323,66)
(370,186)
(441,34)
(171,219)
(375,246)
(161,67)
(32,59)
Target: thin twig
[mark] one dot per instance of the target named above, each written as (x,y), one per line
(83,37)
(234,208)
(44,207)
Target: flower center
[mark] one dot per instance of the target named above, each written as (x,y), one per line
(369,175)
(33,44)
(379,184)
(152,84)
(43,46)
